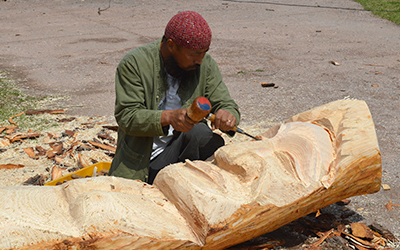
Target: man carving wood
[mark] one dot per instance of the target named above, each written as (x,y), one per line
(154,86)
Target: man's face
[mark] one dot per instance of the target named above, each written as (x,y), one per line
(182,62)
(189,59)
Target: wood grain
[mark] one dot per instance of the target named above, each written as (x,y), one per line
(310,161)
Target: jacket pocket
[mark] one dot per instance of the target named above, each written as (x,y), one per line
(129,164)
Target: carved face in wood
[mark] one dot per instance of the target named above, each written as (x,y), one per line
(278,170)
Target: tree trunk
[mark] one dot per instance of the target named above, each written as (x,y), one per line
(312,160)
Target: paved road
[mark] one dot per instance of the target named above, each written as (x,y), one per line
(66,48)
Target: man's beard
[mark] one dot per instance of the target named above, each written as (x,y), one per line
(172,67)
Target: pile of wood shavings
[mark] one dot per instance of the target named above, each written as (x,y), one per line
(84,129)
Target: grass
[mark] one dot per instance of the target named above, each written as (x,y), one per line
(387,9)
(13,102)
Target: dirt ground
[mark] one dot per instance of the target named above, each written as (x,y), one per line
(70,48)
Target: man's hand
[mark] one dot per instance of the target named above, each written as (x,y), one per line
(224,120)
(178,119)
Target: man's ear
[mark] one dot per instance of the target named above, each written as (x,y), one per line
(171,46)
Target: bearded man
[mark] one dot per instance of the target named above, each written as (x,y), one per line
(154,85)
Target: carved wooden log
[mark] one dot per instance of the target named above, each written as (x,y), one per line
(312,160)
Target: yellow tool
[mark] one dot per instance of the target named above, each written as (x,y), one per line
(87,171)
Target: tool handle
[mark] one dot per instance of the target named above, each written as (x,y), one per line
(211,117)
(199,109)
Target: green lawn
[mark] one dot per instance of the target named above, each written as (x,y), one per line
(387,9)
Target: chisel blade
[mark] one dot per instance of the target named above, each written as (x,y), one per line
(242,132)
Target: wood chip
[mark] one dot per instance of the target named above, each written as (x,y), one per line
(382,231)
(266,84)
(20,136)
(70,119)
(359,241)
(59,160)
(84,145)
(107,137)
(7,128)
(41,150)
(70,133)
(83,162)
(57,147)
(31,153)
(44,111)
(11,131)
(375,65)
(324,236)
(10,120)
(390,205)
(50,154)
(35,180)
(103,146)
(11,166)
(335,63)
(114,128)
(4,142)
(56,172)
(385,187)
(361,230)
(378,240)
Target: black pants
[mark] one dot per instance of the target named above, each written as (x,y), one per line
(197,144)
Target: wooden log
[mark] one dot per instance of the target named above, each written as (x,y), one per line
(314,159)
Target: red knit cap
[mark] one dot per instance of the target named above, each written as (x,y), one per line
(189,29)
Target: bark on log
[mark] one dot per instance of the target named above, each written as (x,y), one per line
(312,160)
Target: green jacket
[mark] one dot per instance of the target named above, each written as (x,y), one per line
(140,83)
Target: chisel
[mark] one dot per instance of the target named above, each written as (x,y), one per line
(201,107)
(211,117)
